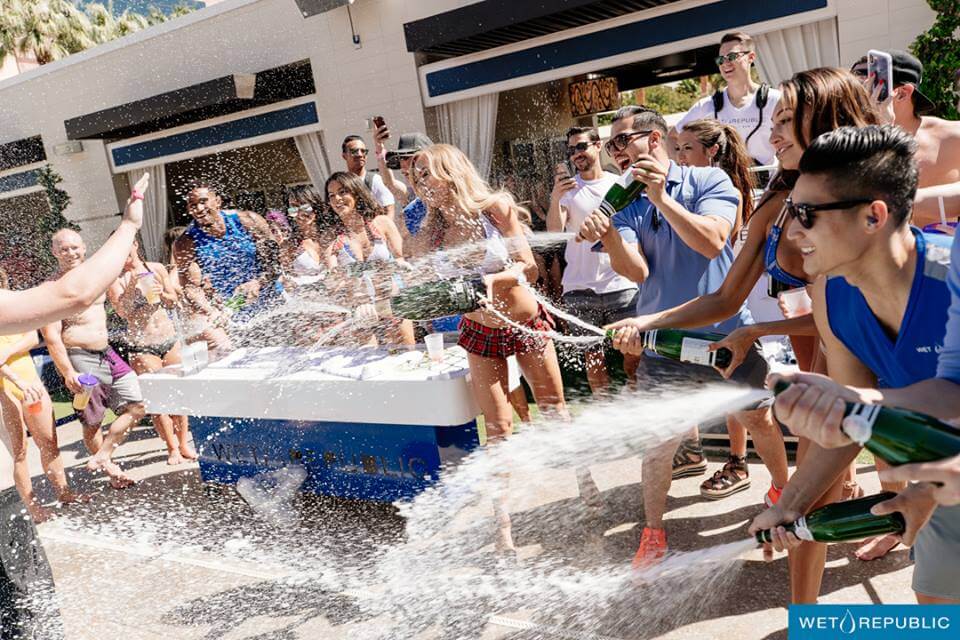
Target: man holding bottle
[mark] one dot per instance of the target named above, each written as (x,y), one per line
(592,290)
(672,240)
(880,312)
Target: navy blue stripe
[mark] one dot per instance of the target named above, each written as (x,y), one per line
(709,18)
(291,118)
(20,180)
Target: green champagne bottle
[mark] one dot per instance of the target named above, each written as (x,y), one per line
(622,193)
(898,436)
(235,303)
(685,346)
(843,522)
(434,300)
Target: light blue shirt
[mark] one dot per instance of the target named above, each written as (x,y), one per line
(948,364)
(677,272)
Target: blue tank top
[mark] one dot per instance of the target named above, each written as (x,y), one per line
(912,355)
(229,261)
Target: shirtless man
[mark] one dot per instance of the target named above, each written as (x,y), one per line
(152,337)
(938,140)
(78,344)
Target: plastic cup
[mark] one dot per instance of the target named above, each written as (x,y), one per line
(434,342)
(36,408)
(146,286)
(796,302)
(87,384)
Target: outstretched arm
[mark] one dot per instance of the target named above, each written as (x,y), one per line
(81,286)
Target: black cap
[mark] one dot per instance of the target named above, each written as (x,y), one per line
(907,69)
(410,143)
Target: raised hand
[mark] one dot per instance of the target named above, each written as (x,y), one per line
(133,213)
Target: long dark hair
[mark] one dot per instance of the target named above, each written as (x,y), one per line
(731,156)
(366,205)
(323,218)
(834,98)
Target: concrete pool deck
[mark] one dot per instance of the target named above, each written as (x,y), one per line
(128,586)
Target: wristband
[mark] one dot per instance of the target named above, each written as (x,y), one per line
(136,195)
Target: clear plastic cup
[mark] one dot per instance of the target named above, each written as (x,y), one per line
(87,384)
(434,342)
(796,302)
(147,287)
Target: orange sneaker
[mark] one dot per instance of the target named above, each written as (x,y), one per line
(772,496)
(653,546)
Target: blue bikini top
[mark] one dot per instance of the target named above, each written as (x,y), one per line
(770,256)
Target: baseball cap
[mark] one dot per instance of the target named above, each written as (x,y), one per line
(410,143)
(907,69)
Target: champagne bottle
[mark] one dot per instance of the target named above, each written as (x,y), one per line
(685,346)
(843,522)
(898,436)
(434,300)
(622,193)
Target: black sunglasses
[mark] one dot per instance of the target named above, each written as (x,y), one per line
(619,142)
(356,153)
(730,57)
(580,147)
(804,213)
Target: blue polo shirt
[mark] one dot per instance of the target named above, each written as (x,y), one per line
(948,364)
(677,272)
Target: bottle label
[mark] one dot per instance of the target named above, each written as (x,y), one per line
(697,351)
(607,209)
(801,530)
(859,424)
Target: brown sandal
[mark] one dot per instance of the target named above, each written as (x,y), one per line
(732,478)
(689,460)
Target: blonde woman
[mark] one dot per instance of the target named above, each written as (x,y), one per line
(25,404)
(463,210)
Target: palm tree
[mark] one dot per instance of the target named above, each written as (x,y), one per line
(9,28)
(50,30)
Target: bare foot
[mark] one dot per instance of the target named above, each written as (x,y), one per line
(69,497)
(118,479)
(174,458)
(187,451)
(40,514)
(878,547)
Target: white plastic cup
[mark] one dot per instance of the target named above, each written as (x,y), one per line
(796,302)
(146,286)
(434,342)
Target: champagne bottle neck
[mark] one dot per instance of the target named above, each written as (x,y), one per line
(858,424)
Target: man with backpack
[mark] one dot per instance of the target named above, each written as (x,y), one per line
(743,103)
(355,156)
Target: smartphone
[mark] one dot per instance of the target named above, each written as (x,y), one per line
(880,64)
(378,122)
(571,169)
(566,168)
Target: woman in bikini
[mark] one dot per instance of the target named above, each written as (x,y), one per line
(463,210)
(365,236)
(143,295)
(25,405)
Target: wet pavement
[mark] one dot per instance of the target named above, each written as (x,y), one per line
(163,560)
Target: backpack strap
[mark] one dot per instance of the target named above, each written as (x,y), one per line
(368,180)
(717,103)
(763,94)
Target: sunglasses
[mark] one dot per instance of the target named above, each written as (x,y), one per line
(619,142)
(805,213)
(730,57)
(356,153)
(305,208)
(580,147)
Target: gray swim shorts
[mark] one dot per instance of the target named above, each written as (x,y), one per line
(600,309)
(118,386)
(936,554)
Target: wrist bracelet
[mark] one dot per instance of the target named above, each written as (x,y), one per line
(136,195)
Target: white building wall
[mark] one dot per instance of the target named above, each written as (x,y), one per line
(234,36)
(879,24)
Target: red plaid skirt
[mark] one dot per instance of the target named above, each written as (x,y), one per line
(493,342)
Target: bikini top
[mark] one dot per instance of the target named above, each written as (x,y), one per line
(770,254)
(496,255)
(379,253)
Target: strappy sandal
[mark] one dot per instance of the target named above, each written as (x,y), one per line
(689,460)
(732,478)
